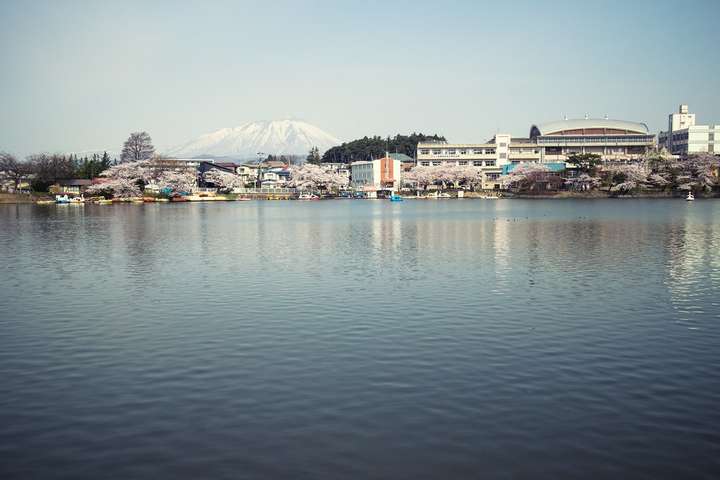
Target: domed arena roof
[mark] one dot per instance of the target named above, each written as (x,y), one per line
(589,126)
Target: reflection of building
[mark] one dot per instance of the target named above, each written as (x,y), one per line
(684,137)
(375,176)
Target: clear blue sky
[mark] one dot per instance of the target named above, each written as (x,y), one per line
(81,75)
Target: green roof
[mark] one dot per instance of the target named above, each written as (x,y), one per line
(401,156)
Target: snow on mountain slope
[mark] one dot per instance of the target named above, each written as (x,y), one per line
(289,137)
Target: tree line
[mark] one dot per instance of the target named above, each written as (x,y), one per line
(368,148)
(44,169)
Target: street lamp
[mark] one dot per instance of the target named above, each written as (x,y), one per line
(258,183)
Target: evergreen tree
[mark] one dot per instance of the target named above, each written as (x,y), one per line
(367,148)
(104,162)
(313,156)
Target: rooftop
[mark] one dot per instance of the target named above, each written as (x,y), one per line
(622,126)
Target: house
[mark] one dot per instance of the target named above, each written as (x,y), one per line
(75,186)
(206,166)
(339,168)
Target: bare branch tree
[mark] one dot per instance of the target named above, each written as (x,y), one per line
(137,147)
(11,169)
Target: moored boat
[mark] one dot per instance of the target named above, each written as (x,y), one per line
(308,196)
(690,197)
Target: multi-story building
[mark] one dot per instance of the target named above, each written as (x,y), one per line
(376,176)
(489,157)
(342,169)
(684,137)
(613,140)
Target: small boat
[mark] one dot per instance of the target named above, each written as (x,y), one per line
(65,200)
(444,195)
(178,198)
(308,196)
(690,197)
(395,198)
(45,202)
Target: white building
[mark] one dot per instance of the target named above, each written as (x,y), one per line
(489,157)
(550,143)
(342,169)
(374,176)
(684,137)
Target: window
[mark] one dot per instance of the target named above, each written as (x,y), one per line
(425,164)
(436,163)
(436,151)
(477,151)
(462,162)
(451,152)
(477,164)
(490,151)
(503,155)
(424,151)
(503,144)
(463,152)
(490,163)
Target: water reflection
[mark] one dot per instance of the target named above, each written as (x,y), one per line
(272,338)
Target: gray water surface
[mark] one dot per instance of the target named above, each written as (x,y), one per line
(361,339)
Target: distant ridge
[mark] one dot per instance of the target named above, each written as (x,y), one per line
(277,137)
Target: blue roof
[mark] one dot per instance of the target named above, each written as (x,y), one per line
(556,167)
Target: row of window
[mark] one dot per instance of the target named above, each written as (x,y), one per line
(475,163)
(608,140)
(474,151)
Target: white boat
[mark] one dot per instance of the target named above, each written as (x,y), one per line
(64,199)
(690,197)
(308,196)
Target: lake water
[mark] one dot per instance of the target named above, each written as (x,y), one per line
(361,339)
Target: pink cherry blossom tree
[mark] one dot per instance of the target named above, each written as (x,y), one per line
(313,177)
(531,176)
(223,180)
(123,180)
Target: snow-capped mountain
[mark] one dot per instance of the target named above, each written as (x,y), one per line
(277,137)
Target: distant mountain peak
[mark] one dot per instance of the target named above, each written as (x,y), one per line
(276,137)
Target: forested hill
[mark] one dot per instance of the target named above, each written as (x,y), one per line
(367,148)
